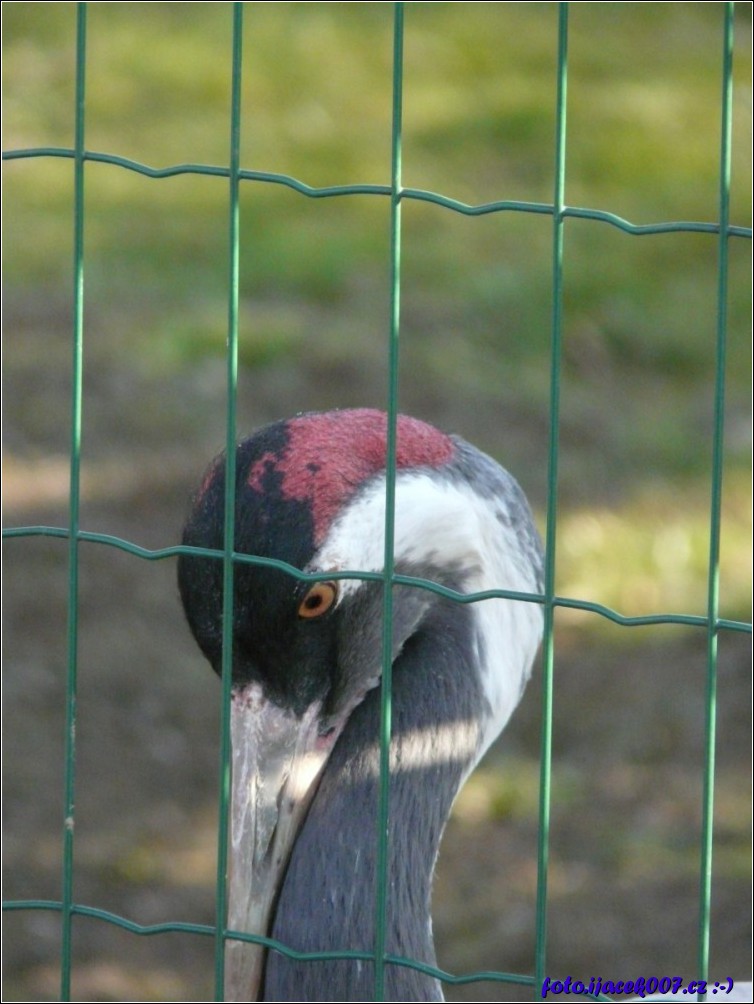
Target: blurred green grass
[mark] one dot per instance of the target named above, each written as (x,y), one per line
(643,142)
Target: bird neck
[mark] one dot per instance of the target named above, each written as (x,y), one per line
(328,898)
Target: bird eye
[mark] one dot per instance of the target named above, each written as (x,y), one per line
(318,599)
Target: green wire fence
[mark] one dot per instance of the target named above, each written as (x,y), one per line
(559,211)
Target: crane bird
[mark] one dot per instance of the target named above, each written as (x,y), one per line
(306,667)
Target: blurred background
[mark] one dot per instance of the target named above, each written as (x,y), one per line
(637,410)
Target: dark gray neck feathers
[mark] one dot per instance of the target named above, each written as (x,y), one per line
(327,901)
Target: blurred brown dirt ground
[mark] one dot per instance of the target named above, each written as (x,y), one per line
(629,712)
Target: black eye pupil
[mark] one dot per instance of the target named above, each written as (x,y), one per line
(318,600)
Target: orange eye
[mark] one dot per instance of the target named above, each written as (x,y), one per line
(318,599)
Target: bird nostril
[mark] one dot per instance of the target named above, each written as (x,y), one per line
(326,738)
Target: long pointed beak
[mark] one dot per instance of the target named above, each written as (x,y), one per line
(277,759)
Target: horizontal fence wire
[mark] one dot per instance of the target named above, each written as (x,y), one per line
(162,553)
(410,194)
(75,536)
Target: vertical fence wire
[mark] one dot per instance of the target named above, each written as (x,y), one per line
(548,645)
(230,494)
(713,582)
(383,811)
(74,510)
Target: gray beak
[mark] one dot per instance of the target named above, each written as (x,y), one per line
(277,760)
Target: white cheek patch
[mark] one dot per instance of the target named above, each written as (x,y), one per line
(449,526)
(434,523)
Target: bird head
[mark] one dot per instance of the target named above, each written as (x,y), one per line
(310,492)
